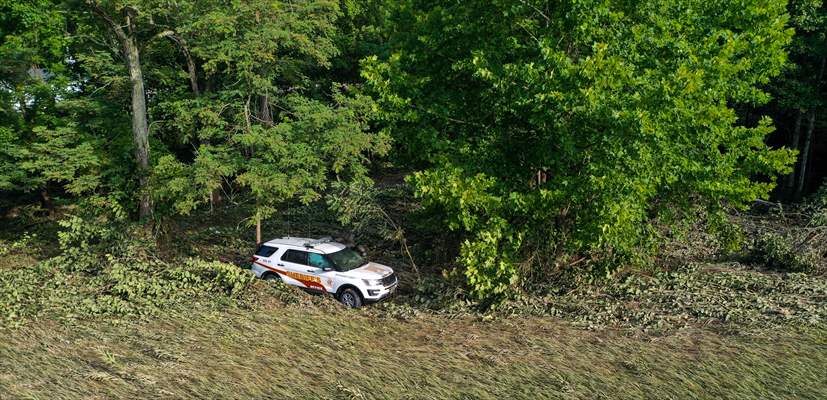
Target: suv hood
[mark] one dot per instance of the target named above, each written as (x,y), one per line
(370,270)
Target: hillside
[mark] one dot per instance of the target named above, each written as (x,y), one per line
(306,352)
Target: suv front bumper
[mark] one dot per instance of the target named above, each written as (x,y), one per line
(379,293)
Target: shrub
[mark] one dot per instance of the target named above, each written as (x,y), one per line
(446,293)
(777,253)
(817,207)
(725,296)
(20,244)
(108,267)
(17,290)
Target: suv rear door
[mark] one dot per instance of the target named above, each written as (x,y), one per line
(265,254)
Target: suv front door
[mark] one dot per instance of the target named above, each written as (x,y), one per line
(323,268)
(298,272)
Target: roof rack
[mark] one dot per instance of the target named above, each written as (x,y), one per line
(318,241)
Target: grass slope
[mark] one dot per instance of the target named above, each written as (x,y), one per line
(296,352)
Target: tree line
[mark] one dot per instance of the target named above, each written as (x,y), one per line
(548,134)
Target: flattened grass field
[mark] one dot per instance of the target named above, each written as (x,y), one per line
(299,352)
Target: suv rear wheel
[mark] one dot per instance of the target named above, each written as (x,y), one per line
(350,298)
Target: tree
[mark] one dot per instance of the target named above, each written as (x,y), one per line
(264,125)
(122,20)
(41,146)
(561,131)
(799,94)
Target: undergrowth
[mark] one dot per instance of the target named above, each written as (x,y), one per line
(101,265)
(109,268)
(725,297)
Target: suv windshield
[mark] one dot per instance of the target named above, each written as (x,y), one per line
(347,259)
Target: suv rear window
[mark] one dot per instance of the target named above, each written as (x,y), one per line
(266,251)
(295,256)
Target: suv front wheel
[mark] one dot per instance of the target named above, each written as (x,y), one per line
(350,298)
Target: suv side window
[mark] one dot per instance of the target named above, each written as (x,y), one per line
(295,256)
(318,261)
(266,251)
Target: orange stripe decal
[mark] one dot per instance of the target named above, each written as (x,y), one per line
(308,281)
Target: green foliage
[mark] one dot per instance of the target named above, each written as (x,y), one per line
(579,124)
(257,122)
(296,156)
(43,156)
(62,155)
(236,100)
(187,186)
(549,134)
(41,143)
(443,294)
(697,295)
(31,35)
(817,207)
(113,255)
(106,268)
(362,32)
(781,254)
(490,254)
(358,204)
(798,89)
(724,296)
(18,245)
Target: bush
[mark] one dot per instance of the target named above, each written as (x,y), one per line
(15,246)
(108,266)
(777,253)
(817,207)
(446,293)
(725,296)
(18,289)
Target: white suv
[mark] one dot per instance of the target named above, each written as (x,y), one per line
(325,266)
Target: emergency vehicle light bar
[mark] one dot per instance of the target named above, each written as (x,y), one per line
(312,243)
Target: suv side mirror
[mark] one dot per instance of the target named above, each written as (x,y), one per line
(327,269)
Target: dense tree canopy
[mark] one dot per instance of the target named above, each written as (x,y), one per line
(799,97)
(218,94)
(575,126)
(41,142)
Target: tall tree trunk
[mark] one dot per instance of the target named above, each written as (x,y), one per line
(258,230)
(789,180)
(808,139)
(140,127)
(190,67)
(264,114)
(46,200)
(805,155)
(266,118)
